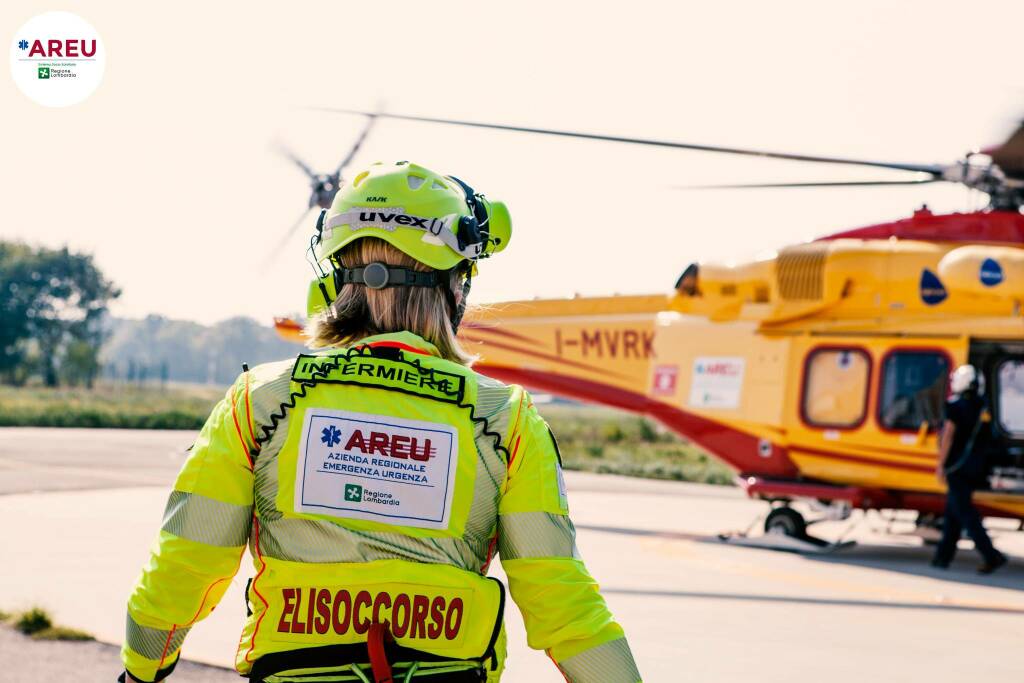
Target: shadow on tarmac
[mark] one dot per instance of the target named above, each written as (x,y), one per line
(894,558)
(829,602)
(914,560)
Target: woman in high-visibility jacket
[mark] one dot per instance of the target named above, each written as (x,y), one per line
(373,480)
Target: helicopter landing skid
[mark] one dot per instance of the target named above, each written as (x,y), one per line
(785,529)
(806,545)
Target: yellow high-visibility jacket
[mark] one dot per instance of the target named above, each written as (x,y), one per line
(373,484)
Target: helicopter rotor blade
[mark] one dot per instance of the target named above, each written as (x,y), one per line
(842,183)
(279,247)
(370,120)
(1009,156)
(292,157)
(933,169)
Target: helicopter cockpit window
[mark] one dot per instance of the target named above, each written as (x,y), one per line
(1010,388)
(913,389)
(836,388)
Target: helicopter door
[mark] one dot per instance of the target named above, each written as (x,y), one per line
(1001,364)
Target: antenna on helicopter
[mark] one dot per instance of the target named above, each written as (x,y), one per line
(323,186)
(1002,177)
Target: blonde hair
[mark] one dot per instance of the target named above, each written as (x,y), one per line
(360,311)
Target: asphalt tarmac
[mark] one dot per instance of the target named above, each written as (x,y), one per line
(24,660)
(80,508)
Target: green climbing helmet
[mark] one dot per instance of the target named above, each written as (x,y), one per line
(437,220)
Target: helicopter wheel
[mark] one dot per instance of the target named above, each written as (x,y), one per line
(787,521)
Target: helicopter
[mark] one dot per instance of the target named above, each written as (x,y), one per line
(817,373)
(322,186)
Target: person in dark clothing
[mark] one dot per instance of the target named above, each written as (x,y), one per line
(961,468)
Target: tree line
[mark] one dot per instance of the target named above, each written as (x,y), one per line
(55,329)
(157,349)
(53,303)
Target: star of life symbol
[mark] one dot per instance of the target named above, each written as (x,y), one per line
(331,436)
(57,59)
(386,468)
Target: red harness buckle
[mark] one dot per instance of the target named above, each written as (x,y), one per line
(378,635)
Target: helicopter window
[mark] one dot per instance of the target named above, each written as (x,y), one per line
(913,389)
(836,387)
(1010,388)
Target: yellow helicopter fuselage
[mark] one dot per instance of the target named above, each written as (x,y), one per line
(821,369)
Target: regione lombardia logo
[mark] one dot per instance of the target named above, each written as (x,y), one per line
(57,59)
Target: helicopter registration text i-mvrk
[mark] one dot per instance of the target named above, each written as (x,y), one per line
(819,374)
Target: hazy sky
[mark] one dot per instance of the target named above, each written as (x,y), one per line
(167,172)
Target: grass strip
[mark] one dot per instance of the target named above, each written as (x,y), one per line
(108,406)
(62,633)
(594,439)
(38,624)
(590,438)
(33,621)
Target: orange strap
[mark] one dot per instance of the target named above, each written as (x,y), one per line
(377,636)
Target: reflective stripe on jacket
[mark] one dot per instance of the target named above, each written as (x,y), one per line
(374,484)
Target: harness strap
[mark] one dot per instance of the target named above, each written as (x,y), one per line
(326,656)
(376,638)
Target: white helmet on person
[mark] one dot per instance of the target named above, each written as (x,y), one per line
(965,378)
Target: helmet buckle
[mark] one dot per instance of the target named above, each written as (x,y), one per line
(376,275)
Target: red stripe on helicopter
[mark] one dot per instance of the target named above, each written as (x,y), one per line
(545,356)
(999,227)
(481,327)
(738,448)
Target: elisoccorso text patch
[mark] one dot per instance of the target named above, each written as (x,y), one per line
(376,467)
